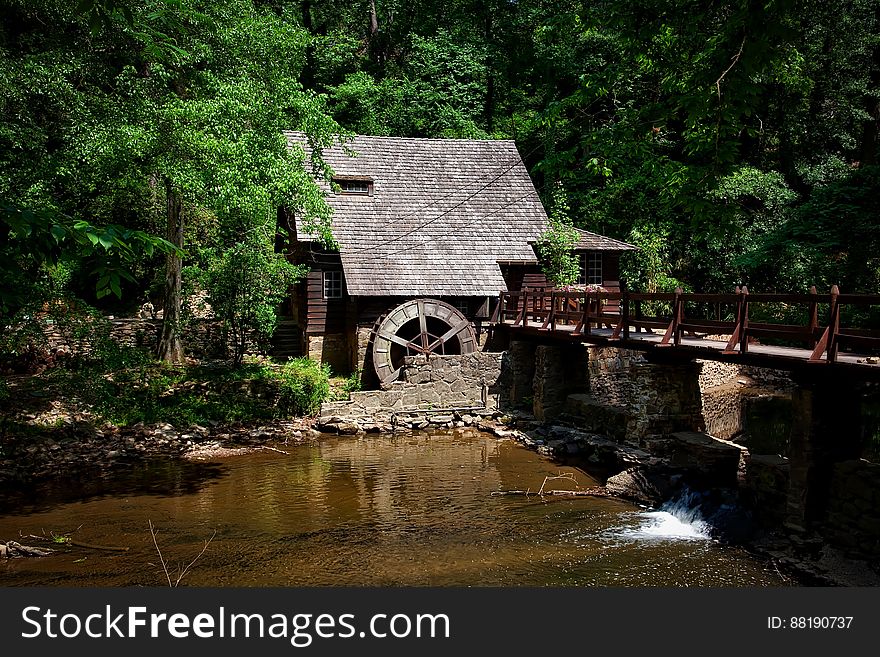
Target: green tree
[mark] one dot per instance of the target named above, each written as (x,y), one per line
(155,114)
(245,284)
(554,246)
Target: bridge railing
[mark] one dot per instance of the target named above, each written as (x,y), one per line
(549,309)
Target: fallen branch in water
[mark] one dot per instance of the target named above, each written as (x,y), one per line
(568,477)
(13,549)
(181,571)
(597,491)
(65,539)
(280,451)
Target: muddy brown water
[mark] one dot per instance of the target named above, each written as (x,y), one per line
(413,510)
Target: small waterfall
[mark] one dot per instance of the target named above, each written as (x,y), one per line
(677,519)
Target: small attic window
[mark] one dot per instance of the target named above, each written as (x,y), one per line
(355,186)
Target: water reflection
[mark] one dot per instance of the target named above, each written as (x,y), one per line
(412,510)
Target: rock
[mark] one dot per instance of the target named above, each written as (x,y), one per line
(347,428)
(648,486)
(707,461)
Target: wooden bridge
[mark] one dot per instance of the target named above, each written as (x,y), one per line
(706,326)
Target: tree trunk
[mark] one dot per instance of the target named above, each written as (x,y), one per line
(489,107)
(374,19)
(308,72)
(170,345)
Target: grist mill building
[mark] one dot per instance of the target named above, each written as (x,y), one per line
(430,231)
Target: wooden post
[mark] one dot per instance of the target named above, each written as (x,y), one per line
(744,322)
(678,315)
(588,324)
(734,336)
(550,319)
(624,309)
(672,329)
(813,320)
(833,324)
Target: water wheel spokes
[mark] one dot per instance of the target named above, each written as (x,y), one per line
(419,326)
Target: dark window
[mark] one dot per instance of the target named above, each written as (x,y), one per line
(591,269)
(363,186)
(462,304)
(332,284)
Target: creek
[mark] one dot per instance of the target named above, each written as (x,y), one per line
(376,510)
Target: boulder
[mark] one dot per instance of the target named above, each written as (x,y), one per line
(649,486)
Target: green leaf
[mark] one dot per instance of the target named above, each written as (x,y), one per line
(58,232)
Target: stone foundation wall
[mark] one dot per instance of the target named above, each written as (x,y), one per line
(202,338)
(333,349)
(428,386)
(559,372)
(852,519)
(608,369)
(715,373)
(521,365)
(766,488)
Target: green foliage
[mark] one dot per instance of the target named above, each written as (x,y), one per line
(554,246)
(437,90)
(305,384)
(110,110)
(245,284)
(153,392)
(43,246)
(834,237)
(353,381)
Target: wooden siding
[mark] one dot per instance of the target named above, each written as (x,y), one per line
(611,266)
(515,275)
(324,315)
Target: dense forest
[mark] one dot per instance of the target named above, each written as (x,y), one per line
(141,147)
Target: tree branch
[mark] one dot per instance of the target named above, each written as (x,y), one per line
(732,64)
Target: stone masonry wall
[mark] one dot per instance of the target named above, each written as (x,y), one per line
(333,349)
(427,386)
(559,372)
(852,517)
(202,338)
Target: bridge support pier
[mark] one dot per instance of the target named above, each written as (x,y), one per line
(521,354)
(559,371)
(665,397)
(826,429)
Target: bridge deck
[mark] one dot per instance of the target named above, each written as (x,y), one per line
(584,318)
(708,348)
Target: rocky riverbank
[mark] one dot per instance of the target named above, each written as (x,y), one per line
(711,472)
(76,449)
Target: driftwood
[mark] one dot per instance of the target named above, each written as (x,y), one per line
(65,539)
(15,549)
(273,449)
(597,491)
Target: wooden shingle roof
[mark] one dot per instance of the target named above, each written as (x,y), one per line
(594,242)
(443,213)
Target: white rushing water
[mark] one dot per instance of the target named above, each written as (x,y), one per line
(679,519)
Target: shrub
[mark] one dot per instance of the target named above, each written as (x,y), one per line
(245,284)
(304,385)
(353,381)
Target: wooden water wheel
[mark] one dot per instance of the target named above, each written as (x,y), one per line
(420,326)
